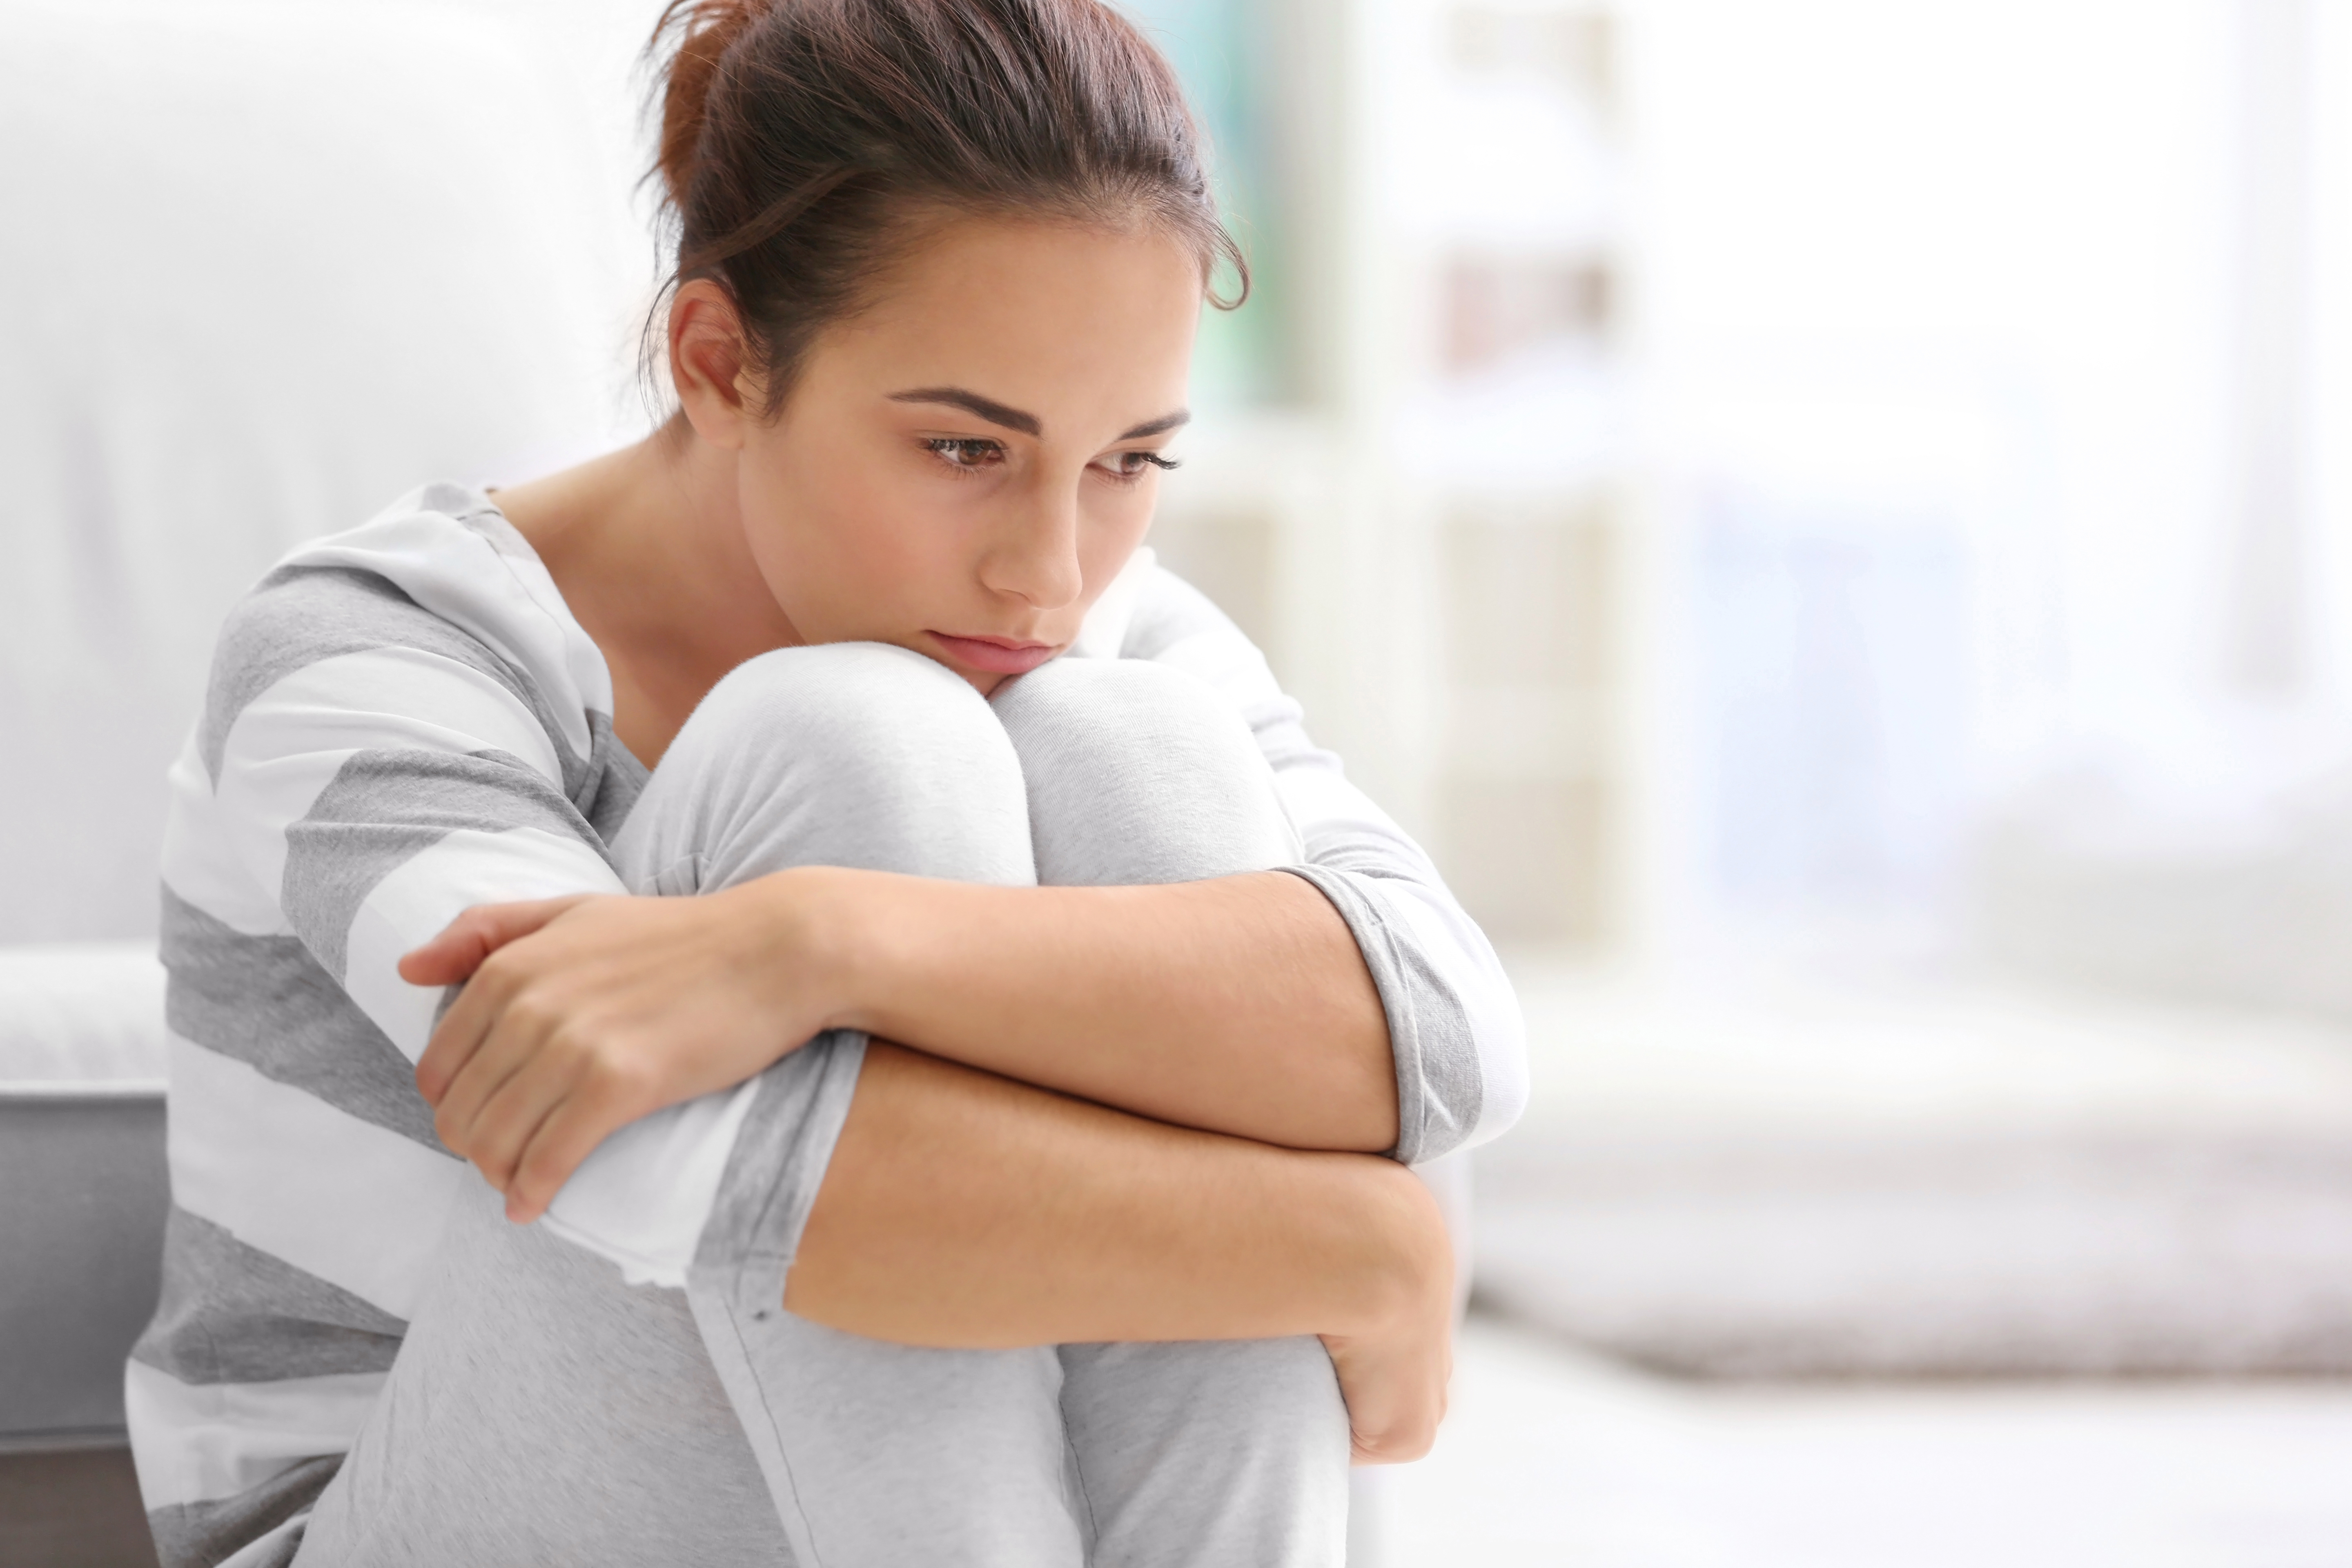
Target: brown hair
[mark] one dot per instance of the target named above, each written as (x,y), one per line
(805,144)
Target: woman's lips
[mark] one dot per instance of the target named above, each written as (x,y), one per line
(996,655)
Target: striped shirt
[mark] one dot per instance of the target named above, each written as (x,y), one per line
(405,721)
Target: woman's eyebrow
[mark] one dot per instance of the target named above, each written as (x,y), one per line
(1028,423)
(1166,422)
(987,408)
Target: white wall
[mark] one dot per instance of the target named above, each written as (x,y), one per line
(1968,284)
(266,267)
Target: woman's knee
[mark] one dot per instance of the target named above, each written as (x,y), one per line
(858,754)
(1137,772)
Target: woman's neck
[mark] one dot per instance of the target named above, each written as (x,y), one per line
(646,546)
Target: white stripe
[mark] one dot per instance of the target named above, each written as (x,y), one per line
(196,1442)
(489,583)
(290,742)
(424,893)
(643,1196)
(410,685)
(200,863)
(357,1204)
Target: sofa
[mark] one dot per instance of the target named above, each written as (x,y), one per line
(266,267)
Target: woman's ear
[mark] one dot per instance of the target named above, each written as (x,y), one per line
(707,362)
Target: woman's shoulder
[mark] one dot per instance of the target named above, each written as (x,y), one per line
(439,573)
(1165,618)
(1148,610)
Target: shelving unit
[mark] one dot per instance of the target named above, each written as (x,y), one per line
(1425,524)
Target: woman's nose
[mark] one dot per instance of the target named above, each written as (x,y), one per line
(1034,556)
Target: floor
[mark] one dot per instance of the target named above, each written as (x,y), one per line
(1552,1459)
(1801,1173)
(1556,1456)
(78,1508)
(1552,1456)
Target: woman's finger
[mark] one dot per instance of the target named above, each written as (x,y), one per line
(451,958)
(568,1135)
(459,1033)
(512,1032)
(513,1115)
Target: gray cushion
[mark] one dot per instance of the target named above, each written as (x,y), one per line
(82,1183)
(82,1198)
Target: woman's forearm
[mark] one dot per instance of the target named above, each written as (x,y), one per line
(1239,1004)
(963,1210)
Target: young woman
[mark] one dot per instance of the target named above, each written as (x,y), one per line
(1000,1158)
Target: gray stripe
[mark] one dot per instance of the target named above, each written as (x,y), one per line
(615,779)
(300,615)
(382,808)
(232,1313)
(266,1002)
(453,499)
(203,1534)
(1440,1086)
(774,1169)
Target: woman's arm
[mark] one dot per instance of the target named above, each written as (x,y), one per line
(960,1209)
(380,772)
(1454,1030)
(1239,1004)
(1349,1006)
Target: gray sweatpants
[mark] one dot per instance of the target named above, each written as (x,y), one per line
(544,1410)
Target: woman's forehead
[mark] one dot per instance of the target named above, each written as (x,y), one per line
(1036,317)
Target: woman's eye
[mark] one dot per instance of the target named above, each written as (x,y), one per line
(967,454)
(1135,464)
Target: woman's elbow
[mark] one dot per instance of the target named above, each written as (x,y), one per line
(1358,1106)
(1366,1118)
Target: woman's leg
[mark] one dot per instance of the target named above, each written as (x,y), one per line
(1203,1452)
(543,1409)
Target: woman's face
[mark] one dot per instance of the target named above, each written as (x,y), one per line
(963,467)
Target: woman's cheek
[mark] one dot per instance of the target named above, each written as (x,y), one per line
(1117,533)
(904,564)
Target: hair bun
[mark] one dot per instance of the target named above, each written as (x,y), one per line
(706,30)
(805,143)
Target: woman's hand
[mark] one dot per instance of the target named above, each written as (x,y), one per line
(962,1210)
(580,1015)
(1393,1374)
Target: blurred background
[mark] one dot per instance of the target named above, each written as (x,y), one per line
(1832,519)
